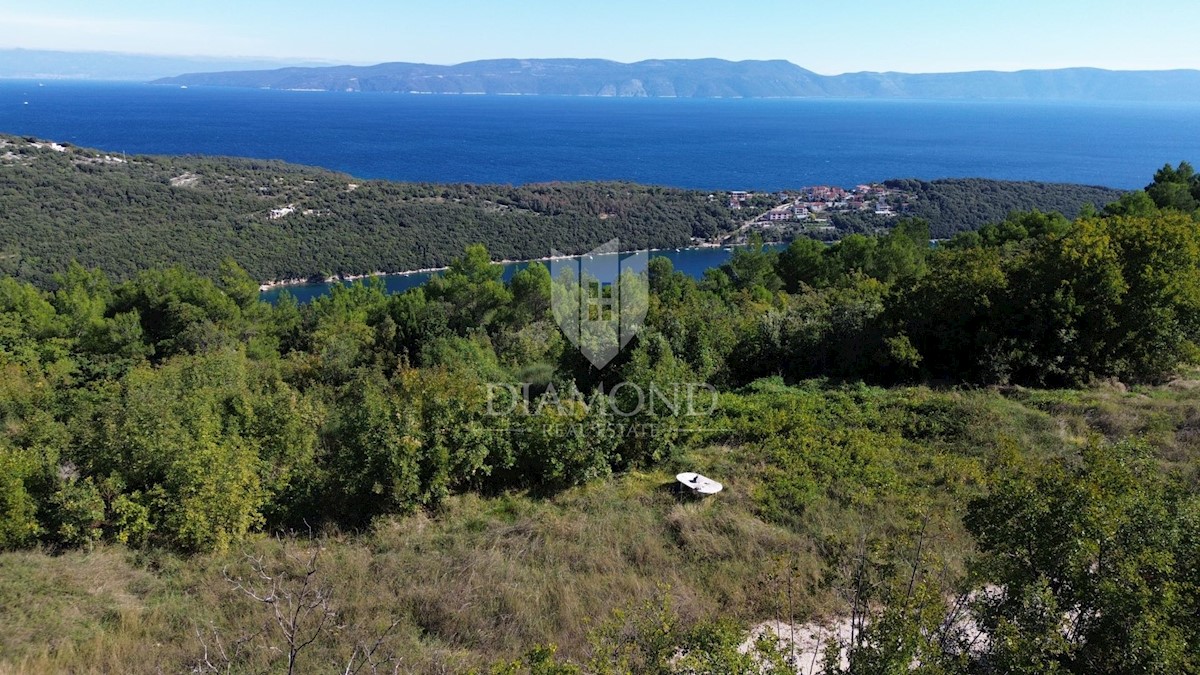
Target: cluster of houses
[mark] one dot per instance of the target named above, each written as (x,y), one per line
(812,203)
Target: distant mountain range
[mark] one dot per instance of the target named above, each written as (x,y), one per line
(711,78)
(40,64)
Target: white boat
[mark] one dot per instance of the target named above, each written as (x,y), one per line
(701,485)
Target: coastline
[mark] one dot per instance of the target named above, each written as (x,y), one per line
(305,281)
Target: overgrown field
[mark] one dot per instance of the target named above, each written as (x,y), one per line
(918,440)
(814,476)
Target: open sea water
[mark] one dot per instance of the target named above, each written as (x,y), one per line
(708,144)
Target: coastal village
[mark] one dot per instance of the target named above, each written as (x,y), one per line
(811,210)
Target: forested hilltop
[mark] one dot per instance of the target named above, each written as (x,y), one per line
(956,205)
(280,221)
(283,221)
(980,457)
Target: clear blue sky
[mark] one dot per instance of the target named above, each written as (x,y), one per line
(828,37)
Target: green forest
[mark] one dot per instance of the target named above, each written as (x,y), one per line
(126,214)
(982,455)
(953,205)
(121,214)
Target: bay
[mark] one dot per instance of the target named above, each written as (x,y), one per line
(691,261)
(710,144)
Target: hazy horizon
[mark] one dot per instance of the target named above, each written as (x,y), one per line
(918,37)
(299,61)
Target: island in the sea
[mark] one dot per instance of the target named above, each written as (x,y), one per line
(709,78)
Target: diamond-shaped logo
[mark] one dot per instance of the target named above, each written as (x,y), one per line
(600,299)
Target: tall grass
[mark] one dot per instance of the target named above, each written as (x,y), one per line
(486,578)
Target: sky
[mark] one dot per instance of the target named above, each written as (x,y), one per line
(827,37)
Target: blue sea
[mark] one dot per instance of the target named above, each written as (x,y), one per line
(709,144)
(695,143)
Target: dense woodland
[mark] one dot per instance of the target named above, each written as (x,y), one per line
(125,214)
(953,205)
(160,427)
